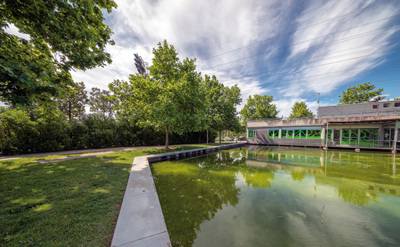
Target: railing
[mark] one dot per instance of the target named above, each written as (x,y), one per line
(275,119)
(362,143)
(361,114)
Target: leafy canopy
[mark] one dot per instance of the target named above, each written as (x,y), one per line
(300,109)
(171,97)
(221,104)
(258,107)
(63,35)
(360,93)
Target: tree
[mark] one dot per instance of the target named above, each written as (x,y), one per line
(63,35)
(258,107)
(221,105)
(360,93)
(170,98)
(75,100)
(300,109)
(102,102)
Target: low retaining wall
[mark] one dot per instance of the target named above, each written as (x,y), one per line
(140,221)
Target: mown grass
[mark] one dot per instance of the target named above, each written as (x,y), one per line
(66,203)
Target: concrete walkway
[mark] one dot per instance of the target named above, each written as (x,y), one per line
(141,221)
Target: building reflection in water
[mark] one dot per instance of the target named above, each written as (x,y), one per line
(358,177)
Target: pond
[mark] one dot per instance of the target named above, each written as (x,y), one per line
(281,196)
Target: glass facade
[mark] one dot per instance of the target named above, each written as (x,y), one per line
(314,134)
(369,137)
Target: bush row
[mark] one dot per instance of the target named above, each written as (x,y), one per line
(19,134)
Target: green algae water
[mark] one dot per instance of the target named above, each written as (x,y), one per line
(278,196)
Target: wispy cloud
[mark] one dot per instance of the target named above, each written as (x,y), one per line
(288,49)
(336,41)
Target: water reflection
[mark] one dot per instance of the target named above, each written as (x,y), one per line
(358,177)
(191,194)
(261,196)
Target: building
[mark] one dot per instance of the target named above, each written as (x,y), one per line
(373,125)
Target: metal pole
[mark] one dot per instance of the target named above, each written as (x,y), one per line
(327,135)
(396,134)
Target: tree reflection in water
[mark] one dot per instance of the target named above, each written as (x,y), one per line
(192,191)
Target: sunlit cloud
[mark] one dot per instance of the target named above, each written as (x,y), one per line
(288,49)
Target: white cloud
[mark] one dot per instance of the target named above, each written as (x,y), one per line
(314,48)
(352,38)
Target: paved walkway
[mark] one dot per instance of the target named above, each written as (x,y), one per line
(87,152)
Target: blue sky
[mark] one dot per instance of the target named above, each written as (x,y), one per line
(291,49)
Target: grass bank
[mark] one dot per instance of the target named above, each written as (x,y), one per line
(65,203)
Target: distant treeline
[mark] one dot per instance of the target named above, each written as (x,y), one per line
(20,134)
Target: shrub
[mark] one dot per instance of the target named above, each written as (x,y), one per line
(228,139)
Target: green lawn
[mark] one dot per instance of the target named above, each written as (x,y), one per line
(66,203)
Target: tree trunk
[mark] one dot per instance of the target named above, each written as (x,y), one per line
(69,110)
(166,137)
(220,133)
(207,136)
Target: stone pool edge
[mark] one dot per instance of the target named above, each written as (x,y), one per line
(141,221)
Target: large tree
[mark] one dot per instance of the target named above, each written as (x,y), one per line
(258,107)
(63,35)
(360,93)
(300,109)
(221,105)
(170,98)
(73,105)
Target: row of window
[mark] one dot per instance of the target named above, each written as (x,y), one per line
(386,105)
(290,134)
(347,134)
(295,134)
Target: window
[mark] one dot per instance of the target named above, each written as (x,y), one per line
(276,133)
(271,134)
(290,134)
(329,134)
(296,134)
(255,133)
(368,137)
(303,134)
(375,106)
(251,133)
(386,105)
(346,137)
(284,133)
(314,134)
(397,104)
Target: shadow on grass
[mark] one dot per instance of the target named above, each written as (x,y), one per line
(73,202)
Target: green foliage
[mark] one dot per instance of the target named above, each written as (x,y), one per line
(73,106)
(50,132)
(63,35)
(299,110)
(258,107)
(170,98)
(221,105)
(360,93)
(102,102)
(27,74)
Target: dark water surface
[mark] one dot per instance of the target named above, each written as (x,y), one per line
(278,196)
